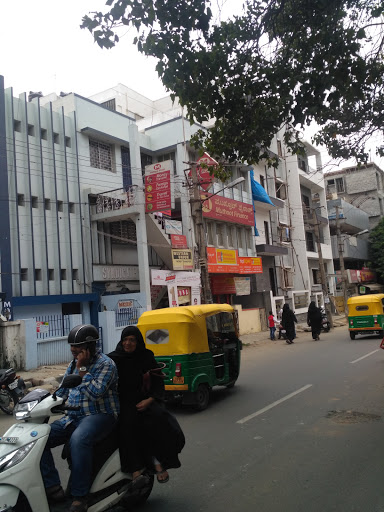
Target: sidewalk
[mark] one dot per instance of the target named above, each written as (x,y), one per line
(261,338)
(49,377)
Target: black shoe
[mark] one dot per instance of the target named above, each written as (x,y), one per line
(55,494)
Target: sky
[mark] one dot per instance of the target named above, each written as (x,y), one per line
(44,49)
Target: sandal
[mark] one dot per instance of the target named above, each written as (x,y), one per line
(163,480)
(79,504)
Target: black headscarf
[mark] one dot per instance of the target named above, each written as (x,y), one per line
(130,330)
(312,307)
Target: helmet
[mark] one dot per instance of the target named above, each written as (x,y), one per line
(83,334)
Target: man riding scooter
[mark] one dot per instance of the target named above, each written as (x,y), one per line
(96,399)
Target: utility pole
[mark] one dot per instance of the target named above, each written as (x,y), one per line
(200,235)
(323,276)
(340,245)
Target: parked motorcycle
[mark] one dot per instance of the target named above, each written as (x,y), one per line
(21,483)
(12,389)
(325,325)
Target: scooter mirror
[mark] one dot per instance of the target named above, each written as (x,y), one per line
(71,381)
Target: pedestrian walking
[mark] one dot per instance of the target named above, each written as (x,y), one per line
(288,321)
(314,320)
(272,326)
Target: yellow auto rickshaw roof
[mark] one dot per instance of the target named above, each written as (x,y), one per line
(363,299)
(186,326)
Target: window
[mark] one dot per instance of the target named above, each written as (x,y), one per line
(100,155)
(284,234)
(306,201)
(21,199)
(302,164)
(68,142)
(37,274)
(168,156)
(109,104)
(51,274)
(71,207)
(43,134)
(63,274)
(56,138)
(287,278)
(47,204)
(157,337)
(309,241)
(126,167)
(210,233)
(266,232)
(262,181)
(340,185)
(31,130)
(316,276)
(145,160)
(281,191)
(35,202)
(279,148)
(300,300)
(123,232)
(17,125)
(220,235)
(24,274)
(60,206)
(75,274)
(230,236)
(239,238)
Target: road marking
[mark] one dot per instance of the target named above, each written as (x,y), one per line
(363,357)
(270,406)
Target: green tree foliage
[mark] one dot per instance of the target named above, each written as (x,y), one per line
(279,63)
(376,248)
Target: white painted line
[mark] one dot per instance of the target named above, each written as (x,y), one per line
(270,406)
(363,357)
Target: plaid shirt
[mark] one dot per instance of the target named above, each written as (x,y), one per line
(96,394)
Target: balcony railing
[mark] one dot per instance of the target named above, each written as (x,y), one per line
(116,199)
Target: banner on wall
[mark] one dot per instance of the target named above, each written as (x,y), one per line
(165,277)
(227,261)
(224,284)
(182,259)
(242,285)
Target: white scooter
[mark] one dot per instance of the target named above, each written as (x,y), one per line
(21,448)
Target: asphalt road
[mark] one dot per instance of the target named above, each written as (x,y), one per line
(301,431)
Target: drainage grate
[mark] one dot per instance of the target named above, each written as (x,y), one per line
(352,417)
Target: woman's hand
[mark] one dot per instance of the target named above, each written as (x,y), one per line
(141,406)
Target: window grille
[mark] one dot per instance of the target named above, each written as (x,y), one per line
(100,155)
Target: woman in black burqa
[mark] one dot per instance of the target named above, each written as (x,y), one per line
(149,434)
(314,320)
(288,320)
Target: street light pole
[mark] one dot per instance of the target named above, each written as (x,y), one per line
(201,241)
(340,245)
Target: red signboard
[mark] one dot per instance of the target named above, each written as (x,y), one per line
(203,175)
(222,285)
(367,275)
(158,191)
(179,242)
(227,210)
(225,261)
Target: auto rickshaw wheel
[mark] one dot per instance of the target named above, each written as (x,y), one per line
(202,397)
(352,335)
(231,384)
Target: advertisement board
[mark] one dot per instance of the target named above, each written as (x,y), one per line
(179,242)
(158,187)
(227,261)
(182,259)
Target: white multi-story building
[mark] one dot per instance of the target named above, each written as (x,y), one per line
(76,238)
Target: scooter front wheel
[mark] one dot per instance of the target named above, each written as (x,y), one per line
(8,400)
(137,497)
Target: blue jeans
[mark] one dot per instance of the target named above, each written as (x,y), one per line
(272,331)
(83,435)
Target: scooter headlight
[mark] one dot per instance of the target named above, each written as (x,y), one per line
(23,410)
(13,458)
